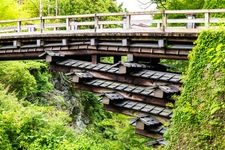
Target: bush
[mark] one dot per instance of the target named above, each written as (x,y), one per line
(25,77)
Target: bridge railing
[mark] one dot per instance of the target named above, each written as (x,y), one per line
(148,21)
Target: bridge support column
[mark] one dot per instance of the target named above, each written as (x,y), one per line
(95,59)
(40,42)
(16,43)
(130,57)
(125,42)
(64,42)
(161,43)
(93,42)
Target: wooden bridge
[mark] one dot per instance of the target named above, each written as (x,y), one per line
(139,86)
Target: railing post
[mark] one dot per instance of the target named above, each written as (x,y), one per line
(96,26)
(76,25)
(19,24)
(68,24)
(207,19)
(164,20)
(42,24)
(127,22)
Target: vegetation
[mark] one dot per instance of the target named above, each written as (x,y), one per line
(188,4)
(198,121)
(26,78)
(36,115)
(31,120)
(27,126)
(12,9)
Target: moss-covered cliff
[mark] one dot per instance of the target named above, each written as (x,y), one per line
(199,116)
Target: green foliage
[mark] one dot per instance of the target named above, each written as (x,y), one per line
(199,116)
(190,4)
(31,127)
(91,106)
(25,78)
(68,7)
(26,126)
(9,9)
(175,65)
(111,134)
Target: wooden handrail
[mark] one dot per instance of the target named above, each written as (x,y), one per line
(99,21)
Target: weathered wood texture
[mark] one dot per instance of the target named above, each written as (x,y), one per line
(144,76)
(124,22)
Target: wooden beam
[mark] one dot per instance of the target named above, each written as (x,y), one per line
(127,95)
(130,79)
(95,59)
(140,125)
(75,79)
(148,134)
(106,101)
(48,58)
(123,69)
(133,113)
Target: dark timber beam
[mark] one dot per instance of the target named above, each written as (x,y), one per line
(95,59)
(127,95)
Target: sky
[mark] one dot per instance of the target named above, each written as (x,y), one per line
(134,5)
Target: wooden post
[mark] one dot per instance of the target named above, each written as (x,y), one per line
(40,43)
(93,42)
(127,22)
(130,57)
(68,24)
(16,43)
(75,25)
(64,42)
(161,43)
(164,21)
(95,59)
(19,23)
(101,26)
(96,27)
(207,19)
(42,24)
(125,42)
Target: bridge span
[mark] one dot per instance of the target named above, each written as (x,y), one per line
(115,34)
(139,87)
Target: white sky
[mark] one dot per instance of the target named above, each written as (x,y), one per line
(134,5)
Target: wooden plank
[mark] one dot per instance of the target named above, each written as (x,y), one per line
(148,134)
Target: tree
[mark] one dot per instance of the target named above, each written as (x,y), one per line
(70,7)
(188,4)
(9,9)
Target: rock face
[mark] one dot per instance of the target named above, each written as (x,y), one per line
(64,97)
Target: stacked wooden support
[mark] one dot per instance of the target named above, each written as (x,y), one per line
(130,88)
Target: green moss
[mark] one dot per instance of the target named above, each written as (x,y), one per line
(199,116)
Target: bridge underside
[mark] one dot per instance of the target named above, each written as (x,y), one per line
(141,90)
(139,45)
